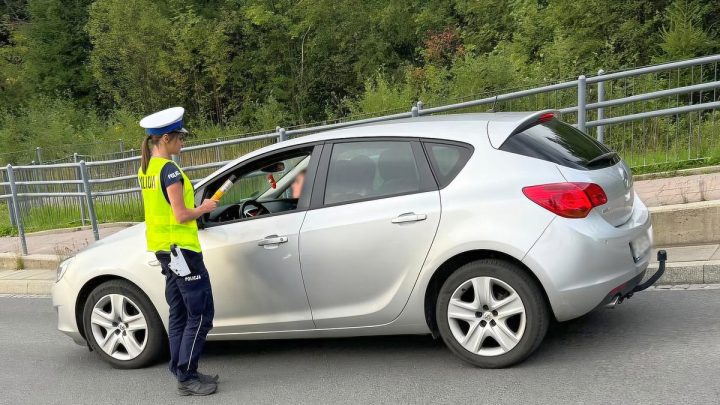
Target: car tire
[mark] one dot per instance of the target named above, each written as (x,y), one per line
(133,338)
(501,334)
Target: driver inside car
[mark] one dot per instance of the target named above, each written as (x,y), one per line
(248,196)
(297,184)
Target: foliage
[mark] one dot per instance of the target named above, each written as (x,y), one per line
(75,75)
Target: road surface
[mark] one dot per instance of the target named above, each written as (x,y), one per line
(661,347)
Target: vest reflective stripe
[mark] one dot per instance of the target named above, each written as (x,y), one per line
(162,229)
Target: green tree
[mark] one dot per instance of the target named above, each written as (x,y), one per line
(58,49)
(684,35)
(132,55)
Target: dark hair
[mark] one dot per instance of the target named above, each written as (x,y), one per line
(147,145)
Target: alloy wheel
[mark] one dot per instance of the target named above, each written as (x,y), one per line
(119,327)
(486,316)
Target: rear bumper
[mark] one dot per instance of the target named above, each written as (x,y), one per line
(622,291)
(582,263)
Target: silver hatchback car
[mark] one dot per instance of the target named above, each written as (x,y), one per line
(477,228)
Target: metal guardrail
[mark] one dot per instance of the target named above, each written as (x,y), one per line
(77,189)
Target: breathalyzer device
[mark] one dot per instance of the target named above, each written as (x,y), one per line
(224,188)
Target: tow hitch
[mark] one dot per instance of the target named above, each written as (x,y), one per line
(662,258)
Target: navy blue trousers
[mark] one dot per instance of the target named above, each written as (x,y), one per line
(191,313)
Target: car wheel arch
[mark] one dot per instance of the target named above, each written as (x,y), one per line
(452,264)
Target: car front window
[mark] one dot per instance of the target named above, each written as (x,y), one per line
(258,183)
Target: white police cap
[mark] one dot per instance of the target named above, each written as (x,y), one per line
(162,122)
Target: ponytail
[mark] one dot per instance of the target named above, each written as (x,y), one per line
(146,148)
(146,153)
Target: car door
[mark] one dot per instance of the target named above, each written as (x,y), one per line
(375,211)
(253,262)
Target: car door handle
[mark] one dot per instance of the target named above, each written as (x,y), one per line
(273,240)
(409,217)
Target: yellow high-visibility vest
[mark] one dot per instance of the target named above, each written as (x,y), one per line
(162,229)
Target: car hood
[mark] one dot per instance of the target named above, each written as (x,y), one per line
(118,249)
(132,232)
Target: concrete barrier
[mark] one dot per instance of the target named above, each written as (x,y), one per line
(686,224)
(13,261)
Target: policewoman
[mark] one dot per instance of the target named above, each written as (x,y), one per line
(172,234)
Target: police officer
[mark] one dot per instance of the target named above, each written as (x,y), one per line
(170,215)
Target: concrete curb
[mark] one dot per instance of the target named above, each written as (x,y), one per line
(704,272)
(12,261)
(27,282)
(679,273)
(26,287)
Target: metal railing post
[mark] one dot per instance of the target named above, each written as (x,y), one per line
(88,196)
(79,189)
(414,111)
(9,202)
(38,155)
(601,110)
(282,135)
(582,100)
(420,106)
(16,209)
(122,146)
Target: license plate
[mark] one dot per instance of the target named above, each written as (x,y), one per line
(640,246)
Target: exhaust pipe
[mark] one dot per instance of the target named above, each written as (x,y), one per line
(616,300)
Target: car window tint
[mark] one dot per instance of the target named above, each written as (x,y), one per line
(362,170)
(447,160)
(560,143)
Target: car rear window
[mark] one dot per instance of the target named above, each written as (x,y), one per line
(558,142)
(447,160)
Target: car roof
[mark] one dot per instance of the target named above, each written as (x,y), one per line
(457,127)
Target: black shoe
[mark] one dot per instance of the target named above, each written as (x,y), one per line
(205,378)
(196,388)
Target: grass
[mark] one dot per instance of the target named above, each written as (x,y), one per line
(40,218)
(6,228)
(672,160)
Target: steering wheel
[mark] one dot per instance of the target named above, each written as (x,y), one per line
(255,209)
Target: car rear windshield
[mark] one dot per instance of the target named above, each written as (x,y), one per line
(558,142)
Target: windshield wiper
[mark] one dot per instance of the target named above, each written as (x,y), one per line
(605,156)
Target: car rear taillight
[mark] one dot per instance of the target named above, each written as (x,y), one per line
(569,200)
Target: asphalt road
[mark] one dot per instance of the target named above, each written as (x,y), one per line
(661,347)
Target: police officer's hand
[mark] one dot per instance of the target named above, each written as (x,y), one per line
(207,205)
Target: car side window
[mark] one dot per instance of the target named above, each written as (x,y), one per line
(256,184)
(447,160)
(267,186)
(365,170)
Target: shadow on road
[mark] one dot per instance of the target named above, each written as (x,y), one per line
(592,335)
